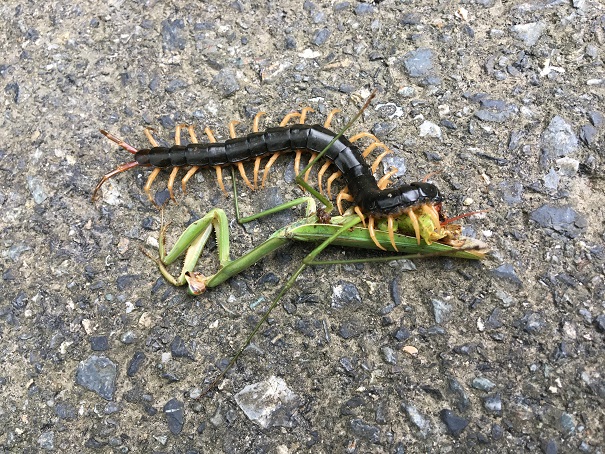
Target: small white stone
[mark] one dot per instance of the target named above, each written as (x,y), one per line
(430,129)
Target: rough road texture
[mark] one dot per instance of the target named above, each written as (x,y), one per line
(98,352)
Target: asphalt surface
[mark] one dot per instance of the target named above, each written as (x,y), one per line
(505,100)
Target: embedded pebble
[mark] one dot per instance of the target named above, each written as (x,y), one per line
(321,36)
(46,440)
(560,219)
(366,431)
(134,365)
(226,82)
(568,166)
(493,403)
(551,179)
(557,140)
(98,374)
(173,36)
(588,134)
(507,272)
(269,403)
(429,129)
(454,423)
(483,384)
(441,310)
(37,189)
(175,415)
(178,349)
(99,343)
(345,294)
(418,419)
(529,33)
(419,62)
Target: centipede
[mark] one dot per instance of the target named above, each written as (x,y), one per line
(372,198)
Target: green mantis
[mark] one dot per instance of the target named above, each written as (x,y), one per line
(399,234)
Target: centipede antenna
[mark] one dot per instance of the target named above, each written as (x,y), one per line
(461,216)
(129,148)
(432,174)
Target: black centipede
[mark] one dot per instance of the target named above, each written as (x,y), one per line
(370,197)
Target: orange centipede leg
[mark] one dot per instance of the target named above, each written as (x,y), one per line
(289,117)
(297,162)
(147,187)
(193,169)
(321,172)
(303,114)
(329,183)
(361,215)
(372,233)
(330,117)
(267,167)
(242,172)
(308,172)
(414,219)
(232,132)
(156,171)
(358,136)
(366,152)
(343,195)
(386,178)
(379,159)
(240,165)
(391,232)
(175,170)
(219,177)
(257,161)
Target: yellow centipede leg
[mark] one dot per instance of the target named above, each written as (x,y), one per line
(259,158)
(219,177)
(358,136)
(361,215)
(175,170)
(391,232)
(193,169)
(379,159)
(242,172)
(267,167)
(147,187)
(372,233)
(414,219)
(386,178)
(321,172)
(330,117)
(343,195)
(329,183)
